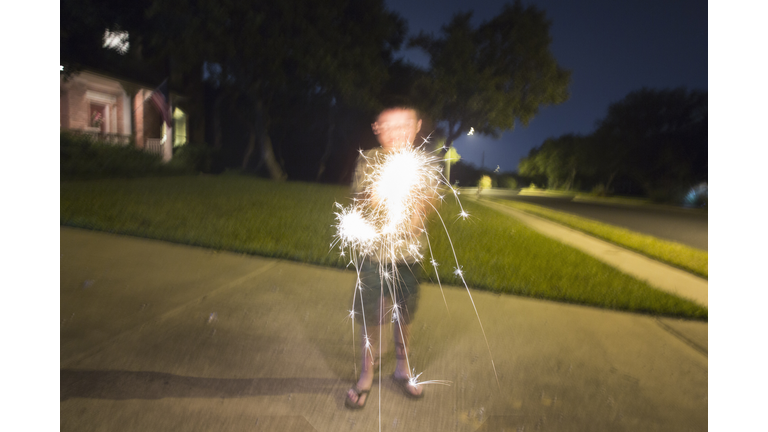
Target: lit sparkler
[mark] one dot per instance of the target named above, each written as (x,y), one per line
(414,381)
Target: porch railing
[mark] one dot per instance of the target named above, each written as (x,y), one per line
(151,145)
(154,145)
(110,138)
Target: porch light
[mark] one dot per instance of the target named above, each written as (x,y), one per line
(117,40)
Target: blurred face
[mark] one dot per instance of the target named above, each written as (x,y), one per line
(396,128)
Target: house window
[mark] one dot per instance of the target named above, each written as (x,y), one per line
(179,128)
(101,112)
(98,117)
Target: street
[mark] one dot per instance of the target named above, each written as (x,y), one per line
(686,226)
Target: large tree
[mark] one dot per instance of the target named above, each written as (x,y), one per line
(334,50)
(652,142)
(657,138)
(491,76)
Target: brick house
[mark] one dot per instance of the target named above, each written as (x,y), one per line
(116,110)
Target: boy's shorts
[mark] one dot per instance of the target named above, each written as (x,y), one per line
(405,289)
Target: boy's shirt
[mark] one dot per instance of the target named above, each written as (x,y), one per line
(363,168)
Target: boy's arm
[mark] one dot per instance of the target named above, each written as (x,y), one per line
(358,179)
(426,207)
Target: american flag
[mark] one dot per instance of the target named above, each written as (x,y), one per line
(162,101)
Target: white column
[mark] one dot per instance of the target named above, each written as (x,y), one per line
(168,145)
(113,120)
(127,108)
(107,117)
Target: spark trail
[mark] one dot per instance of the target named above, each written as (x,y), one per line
(385,223)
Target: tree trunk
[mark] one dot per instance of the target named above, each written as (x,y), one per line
(610,180)
(452,135)
(571,178)
(328,144)
(259,128)
(217,141)
(268,156)
(194,105)
(250,147)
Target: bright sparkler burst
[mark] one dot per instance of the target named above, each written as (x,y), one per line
(386,218)
(385,222)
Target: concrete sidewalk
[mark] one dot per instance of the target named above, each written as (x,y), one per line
(626,202)
(655,273)
(158,336)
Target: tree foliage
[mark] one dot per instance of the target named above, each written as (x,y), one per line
(260,53)
(256,55)
(653,141)
(558,160)
(491,76)
(658,138)
(289,87)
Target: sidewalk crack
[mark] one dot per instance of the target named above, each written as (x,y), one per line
(682,337)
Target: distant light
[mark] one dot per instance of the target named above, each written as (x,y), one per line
(117,40)
(471,131)
(61,68)
(697,196)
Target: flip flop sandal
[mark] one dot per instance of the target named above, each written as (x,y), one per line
(404,384)
(354,405)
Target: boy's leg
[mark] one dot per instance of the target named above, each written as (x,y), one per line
(401,354)
(407,305)
(369,353)
(369,342)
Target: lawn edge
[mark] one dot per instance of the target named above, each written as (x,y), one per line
(547,214)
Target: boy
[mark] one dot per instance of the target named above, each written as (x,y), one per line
(395,128)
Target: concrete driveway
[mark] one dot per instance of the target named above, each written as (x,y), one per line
(158,337)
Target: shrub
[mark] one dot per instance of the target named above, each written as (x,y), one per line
(195,157)
(599,190)
(508,182)
(83,157)
(667,194)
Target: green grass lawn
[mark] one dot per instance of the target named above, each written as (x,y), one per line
(283,220)
(295,221)
(676,254)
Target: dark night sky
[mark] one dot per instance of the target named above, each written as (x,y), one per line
(612,47)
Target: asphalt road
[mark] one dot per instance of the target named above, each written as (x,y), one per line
(686,226)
